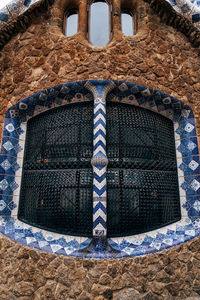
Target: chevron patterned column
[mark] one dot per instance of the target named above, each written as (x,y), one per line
(99,160)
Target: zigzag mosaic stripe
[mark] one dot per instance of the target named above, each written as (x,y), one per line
(99,168)
(99,160)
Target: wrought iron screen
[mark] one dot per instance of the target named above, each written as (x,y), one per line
(56,190)
(142,185)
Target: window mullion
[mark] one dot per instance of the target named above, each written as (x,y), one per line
(99,160)
(99,163)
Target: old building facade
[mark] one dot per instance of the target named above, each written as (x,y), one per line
(41,70)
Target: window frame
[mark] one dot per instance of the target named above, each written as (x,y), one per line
(11,160)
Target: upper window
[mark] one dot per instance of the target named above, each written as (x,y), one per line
(127,23)
(71,23)
(99,23)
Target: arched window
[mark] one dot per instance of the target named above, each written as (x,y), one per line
(99,23)
(127,22)
(71,23)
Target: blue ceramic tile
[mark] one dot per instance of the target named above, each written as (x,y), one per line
(3,17)
(19,235)
(196,18)
(190,165)
(173,2)
(27,3)
(10,130)
(6,198)
(47,248)
(8,165)
(9,123)
(61,252)
(4,209)
(196,223)
(186,114)
(9,226)
(2,229)
(191,200)
(186,129)
(85,243)
(10,146)
(188,147)
(12,205)
(28,232)
(191,185)
(194,211)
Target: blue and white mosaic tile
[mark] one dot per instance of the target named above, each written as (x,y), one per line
(188,162)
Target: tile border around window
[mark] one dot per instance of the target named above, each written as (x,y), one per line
(11,160)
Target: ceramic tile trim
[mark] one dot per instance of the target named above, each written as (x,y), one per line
(99,160)
(11,158)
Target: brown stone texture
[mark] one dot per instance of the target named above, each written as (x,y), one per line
(29,274)
(41,57)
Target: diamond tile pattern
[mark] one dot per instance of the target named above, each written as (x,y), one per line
(188,163)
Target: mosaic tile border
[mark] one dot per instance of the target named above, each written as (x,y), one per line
(11,159)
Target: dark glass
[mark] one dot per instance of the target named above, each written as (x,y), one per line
(142,182)
(56,190)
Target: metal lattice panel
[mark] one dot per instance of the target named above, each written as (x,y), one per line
(62,134)
(56,191)
(142,176)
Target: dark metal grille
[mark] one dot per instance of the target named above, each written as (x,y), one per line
(142,174)
(56,191)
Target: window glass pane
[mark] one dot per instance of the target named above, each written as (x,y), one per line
(71,26)
(127,24)
(142,184)
(99,24)
(56,190)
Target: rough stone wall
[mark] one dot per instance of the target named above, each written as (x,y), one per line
(27,274)
(42,57)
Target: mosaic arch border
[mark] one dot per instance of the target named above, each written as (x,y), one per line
(11,160)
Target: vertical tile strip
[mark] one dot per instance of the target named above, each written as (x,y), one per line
(99,160)
(99,163)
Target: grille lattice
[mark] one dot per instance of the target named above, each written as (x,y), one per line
(56,191)
(142,173)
